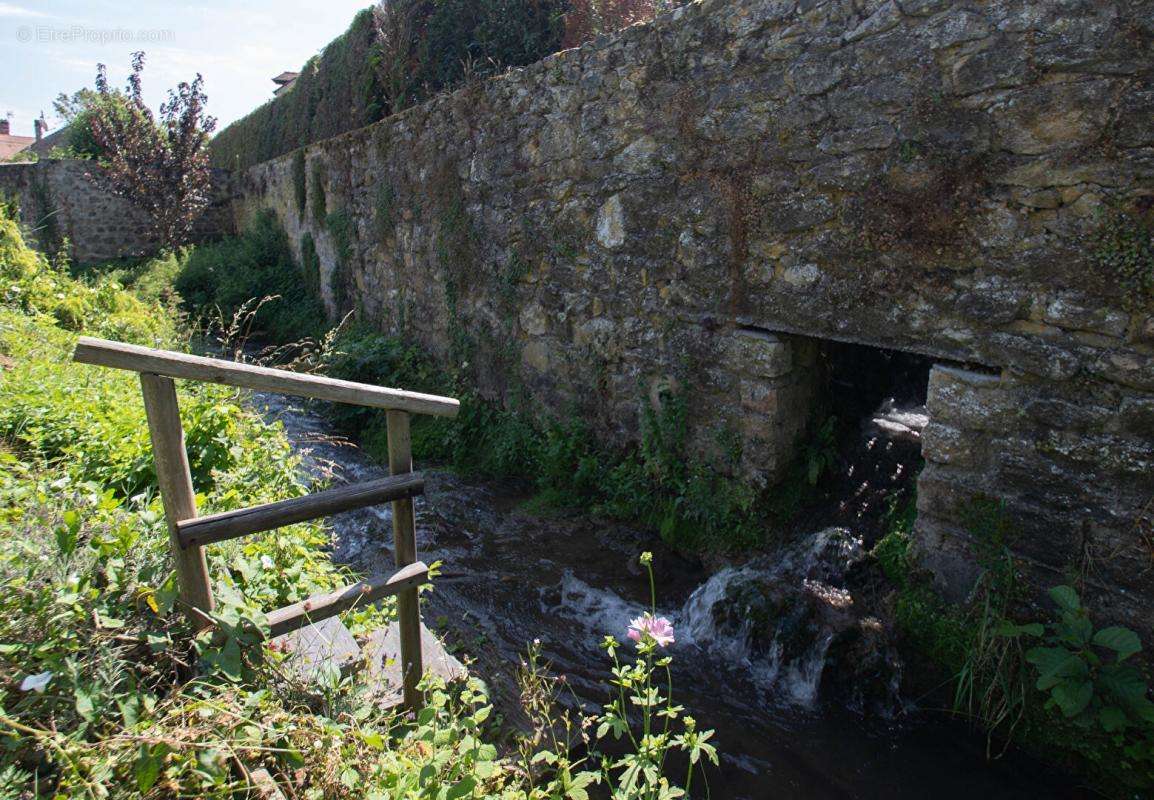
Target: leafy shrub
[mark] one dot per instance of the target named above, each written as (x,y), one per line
(588,19)
(160,165)
(223,276)
(1086,672)
(36,287)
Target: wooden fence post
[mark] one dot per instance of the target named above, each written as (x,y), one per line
(176,492)
(405,550)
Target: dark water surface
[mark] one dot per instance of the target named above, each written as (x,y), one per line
(509,577)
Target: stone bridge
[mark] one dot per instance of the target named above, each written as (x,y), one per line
(702,201)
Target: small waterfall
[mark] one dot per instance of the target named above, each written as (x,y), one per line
(781,619)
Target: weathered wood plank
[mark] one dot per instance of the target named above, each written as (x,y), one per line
(176,493)
(266,517)
(323,606)
(119,355)
(405,552)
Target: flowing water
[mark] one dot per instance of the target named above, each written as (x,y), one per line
(755,642)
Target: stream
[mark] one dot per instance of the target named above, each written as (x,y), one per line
(568,579)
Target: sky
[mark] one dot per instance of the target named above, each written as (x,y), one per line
(53,46)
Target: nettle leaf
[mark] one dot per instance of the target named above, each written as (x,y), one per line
(1112,719)
(462,788)
(148,764)
(85,703)
(1073,696)
(1124,682)
(1122,641)
(1066,598)
(1011,630)
(1054,665)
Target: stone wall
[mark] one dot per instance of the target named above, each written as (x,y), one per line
(693,201)
(60,199)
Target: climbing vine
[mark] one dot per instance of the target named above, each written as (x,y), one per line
(1123,250)
(300,181)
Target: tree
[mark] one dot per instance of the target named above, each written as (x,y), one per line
(69,106)
(161,167)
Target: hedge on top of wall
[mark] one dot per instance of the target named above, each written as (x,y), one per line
(342,88)
(336,92)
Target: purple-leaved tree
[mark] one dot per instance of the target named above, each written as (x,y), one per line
(162,166)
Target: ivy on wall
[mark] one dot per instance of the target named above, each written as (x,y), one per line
(337,91)
(353,82)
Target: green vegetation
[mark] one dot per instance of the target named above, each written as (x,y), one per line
(78,111)
(1124,252)
(361,77)
(219,279)
(1075,699)
(342,229)
(319,206)
(300,181)
(336,92)
(383,221)
(106,692)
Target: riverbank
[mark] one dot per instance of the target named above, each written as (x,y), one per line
(105,690)
(511,573)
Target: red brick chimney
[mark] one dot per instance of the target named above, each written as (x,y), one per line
(5,128)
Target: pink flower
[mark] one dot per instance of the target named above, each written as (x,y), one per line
(658,628)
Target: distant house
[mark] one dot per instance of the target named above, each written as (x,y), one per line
(47,142)
(284,82)
(11,145)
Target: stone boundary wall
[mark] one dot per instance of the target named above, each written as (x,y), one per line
(693,202)
(59,199)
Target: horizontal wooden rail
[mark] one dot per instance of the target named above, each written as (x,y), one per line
(248,376)
(322,606)
(200,531)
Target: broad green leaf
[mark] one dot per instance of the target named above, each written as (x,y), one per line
(1124,682)
(462,788)
(1066,598)
(374,739)
(85,705)
(1073,696)
(1112,719)
(148,766)
(1054,664)
(1011,630)
(1122,641)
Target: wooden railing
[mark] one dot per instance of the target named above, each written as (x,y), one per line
(188,534)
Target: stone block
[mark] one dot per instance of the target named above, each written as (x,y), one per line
(315,651)
(760,354)
(383,657)
(951,446)
(972,400)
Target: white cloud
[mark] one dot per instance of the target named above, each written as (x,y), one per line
(11,10)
